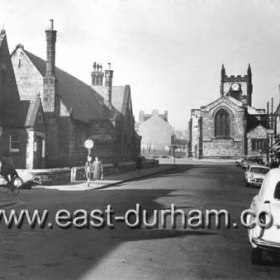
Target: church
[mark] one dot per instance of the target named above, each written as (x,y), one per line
(229,127)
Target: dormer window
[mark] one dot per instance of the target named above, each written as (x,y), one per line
(3,73)
(40,118)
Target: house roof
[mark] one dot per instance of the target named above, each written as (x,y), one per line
(30,110)
(10,110)
(75,94)
(120,96)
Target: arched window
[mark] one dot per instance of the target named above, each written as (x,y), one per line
(222,124)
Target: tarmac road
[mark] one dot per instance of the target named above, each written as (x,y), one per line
(140,253)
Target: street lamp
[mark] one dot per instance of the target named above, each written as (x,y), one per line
(173,147)
(89,144)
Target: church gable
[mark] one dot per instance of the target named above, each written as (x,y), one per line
(28,77)
(226,101)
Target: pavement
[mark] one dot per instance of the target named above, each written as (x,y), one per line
(109,181)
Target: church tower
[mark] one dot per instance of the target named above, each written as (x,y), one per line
(238,87)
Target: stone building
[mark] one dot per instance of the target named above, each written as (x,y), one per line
(229,127)
(73,111)
(155,131)
(22,127)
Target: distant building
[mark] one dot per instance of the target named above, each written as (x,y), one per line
(229,127)
(155,131)
(62,112)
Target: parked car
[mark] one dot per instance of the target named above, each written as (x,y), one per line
(28,179)
(254,175)
(268,200)
(248,160)
(239,161)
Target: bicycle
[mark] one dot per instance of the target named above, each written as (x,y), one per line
(12,186)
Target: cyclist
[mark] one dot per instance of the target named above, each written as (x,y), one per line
(8,170)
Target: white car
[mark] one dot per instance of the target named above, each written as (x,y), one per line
(264,217)
(254,175)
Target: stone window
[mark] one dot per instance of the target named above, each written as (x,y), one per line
(14,142)
(3,73)
(222,124)
(40,118)
(258,145)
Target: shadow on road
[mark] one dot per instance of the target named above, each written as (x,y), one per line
(55,253)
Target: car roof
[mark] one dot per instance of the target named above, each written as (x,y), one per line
(259,165)
(268,187)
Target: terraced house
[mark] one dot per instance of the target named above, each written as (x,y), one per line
(62,112)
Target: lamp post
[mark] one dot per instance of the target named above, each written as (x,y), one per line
(173,148)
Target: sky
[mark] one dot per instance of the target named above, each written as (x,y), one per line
(169,51)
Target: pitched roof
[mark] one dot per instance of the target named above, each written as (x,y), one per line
(29,111)
(10,109)
(120,96)
(75,94)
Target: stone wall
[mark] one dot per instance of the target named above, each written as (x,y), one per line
(222,148)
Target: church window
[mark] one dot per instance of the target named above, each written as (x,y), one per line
(222,124)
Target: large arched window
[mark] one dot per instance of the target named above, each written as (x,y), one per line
(222,124)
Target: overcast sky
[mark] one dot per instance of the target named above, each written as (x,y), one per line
(169,51)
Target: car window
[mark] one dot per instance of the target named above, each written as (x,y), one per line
(277,191)
(259,170)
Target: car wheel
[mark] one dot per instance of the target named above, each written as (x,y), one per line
(256,255)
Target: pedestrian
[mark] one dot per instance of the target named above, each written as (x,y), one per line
(89,169)
(139,163)
(97,169)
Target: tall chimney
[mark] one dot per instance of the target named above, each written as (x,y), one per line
(97,75)
(49,90)
(51,40)
(108,85)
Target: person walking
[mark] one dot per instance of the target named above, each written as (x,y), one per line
(97,169)
(89,169)
(139,160)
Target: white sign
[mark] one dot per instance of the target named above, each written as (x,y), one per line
(89,144)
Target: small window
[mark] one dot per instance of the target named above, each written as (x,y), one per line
(277,191)
(259,145)
(40,118)
(14,142)
(3,73)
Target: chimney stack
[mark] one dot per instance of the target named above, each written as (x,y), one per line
(108,85)
(51,40)
(49,87)
(97,75)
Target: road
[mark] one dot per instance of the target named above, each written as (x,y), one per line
(140,253)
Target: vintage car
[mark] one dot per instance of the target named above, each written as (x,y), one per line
(254,175)
(263,222)
(28,179)
(248,160)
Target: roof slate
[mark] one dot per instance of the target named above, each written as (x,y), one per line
(120,96)
(75,94)
(30,110)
